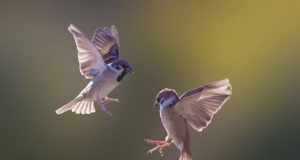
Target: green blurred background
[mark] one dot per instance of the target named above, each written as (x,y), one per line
(180,45)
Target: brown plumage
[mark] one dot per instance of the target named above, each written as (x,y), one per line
(196,108)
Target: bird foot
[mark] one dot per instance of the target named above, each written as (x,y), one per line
(159,145)
(109,99)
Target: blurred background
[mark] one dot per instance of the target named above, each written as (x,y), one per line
(180,45)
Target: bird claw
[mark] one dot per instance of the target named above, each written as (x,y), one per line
(155,142)
(150,151)
(109,99)
(159,145)
(114,100)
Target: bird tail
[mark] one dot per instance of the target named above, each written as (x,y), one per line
(185,154)
(185,151)
(79,105)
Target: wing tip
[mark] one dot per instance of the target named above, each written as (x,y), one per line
(58,112)
(223,85)
(221,82)
(113,28)
(73,29)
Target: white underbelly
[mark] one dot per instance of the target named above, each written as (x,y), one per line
(174,125)
(104,85)
(106,89)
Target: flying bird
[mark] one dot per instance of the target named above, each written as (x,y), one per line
(195,107)
(99,62)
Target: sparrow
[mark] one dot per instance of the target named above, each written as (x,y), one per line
(99,62)
(195,108)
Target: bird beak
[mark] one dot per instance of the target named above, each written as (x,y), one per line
(129,69)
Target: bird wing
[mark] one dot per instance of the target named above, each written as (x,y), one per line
(198,106)
(91,62)
(106,40)
(80,104)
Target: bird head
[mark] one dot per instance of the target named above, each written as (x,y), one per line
(166,98)
(123,67)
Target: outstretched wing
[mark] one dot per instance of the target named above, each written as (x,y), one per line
(198,106)
(106,40)
(90,61)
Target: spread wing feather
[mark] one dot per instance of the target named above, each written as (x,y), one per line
(91,62)
(198,106)
(106,40)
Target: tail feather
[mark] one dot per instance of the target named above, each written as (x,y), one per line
(185,152)
(88,108)
(79,106)
(185,155)
(93,108)
(67,106)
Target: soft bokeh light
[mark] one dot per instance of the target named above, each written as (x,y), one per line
(179,45)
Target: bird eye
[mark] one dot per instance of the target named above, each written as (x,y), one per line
(118,67)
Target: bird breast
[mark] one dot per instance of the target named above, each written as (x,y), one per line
(104,84)
(174,125)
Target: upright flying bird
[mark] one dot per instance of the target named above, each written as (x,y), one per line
(196,108)
(100,63)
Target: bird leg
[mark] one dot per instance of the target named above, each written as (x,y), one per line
(109,99)
(105,110)
(159,145)
(103,103)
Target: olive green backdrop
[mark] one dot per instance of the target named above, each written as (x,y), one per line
(180,45)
